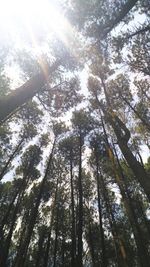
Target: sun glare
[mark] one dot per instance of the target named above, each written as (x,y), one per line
(34,16)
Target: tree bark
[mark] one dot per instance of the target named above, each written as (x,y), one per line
(40,248)
(91,244)
(24,248)
(73,237)
(6,244)
(56,238)
(138,170)
(21,238)
(3,171)
(144,217)
(117,247)
(80,224)
(103,254)
(45,264)
(138,236)
(19,96)
(123,135)
(5,218)
(145,123)
(46,256)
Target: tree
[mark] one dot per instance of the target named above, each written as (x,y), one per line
(69,149)
(22,94)
(74,187)
(81,123)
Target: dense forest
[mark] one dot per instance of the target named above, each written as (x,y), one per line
(75,133)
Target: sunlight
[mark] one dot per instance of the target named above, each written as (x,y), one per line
(32,24)
(35,15)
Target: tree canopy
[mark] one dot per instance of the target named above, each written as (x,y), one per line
(75,134)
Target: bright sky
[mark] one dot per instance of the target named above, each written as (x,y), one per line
(30,25)
(29,20)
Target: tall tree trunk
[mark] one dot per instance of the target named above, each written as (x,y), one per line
(40,248)
(121,181)
(91,244)
(73,237)
(63,250)
(144,217)
(3,171)
(56,238)
(145,123)
(80,224)
(21,237)
(141,248)
(19,96)
(5,218)
(46,256)
(123,135)
(136,167)
(24,247)
(22,187)
(118,244)
(6,244)
(103,254)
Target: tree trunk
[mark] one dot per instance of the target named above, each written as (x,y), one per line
(56,239)
(73,237)
(21,238)
(123,135)
(5,218)
(22,187)
(46,256)
(145,123)
(103,254)
(6,244)
(138,170)
(144,217)
(91,244)
(138,236)
(80,224)
(118,244)
(63,250)
(19,96)
(40,248)
(24,247)
(120,179)
(3,171)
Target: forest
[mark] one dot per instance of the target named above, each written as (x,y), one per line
(75,133)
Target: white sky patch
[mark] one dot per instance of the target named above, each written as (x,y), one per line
(13,72)
(145,153)
(138,20)
(84,75)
